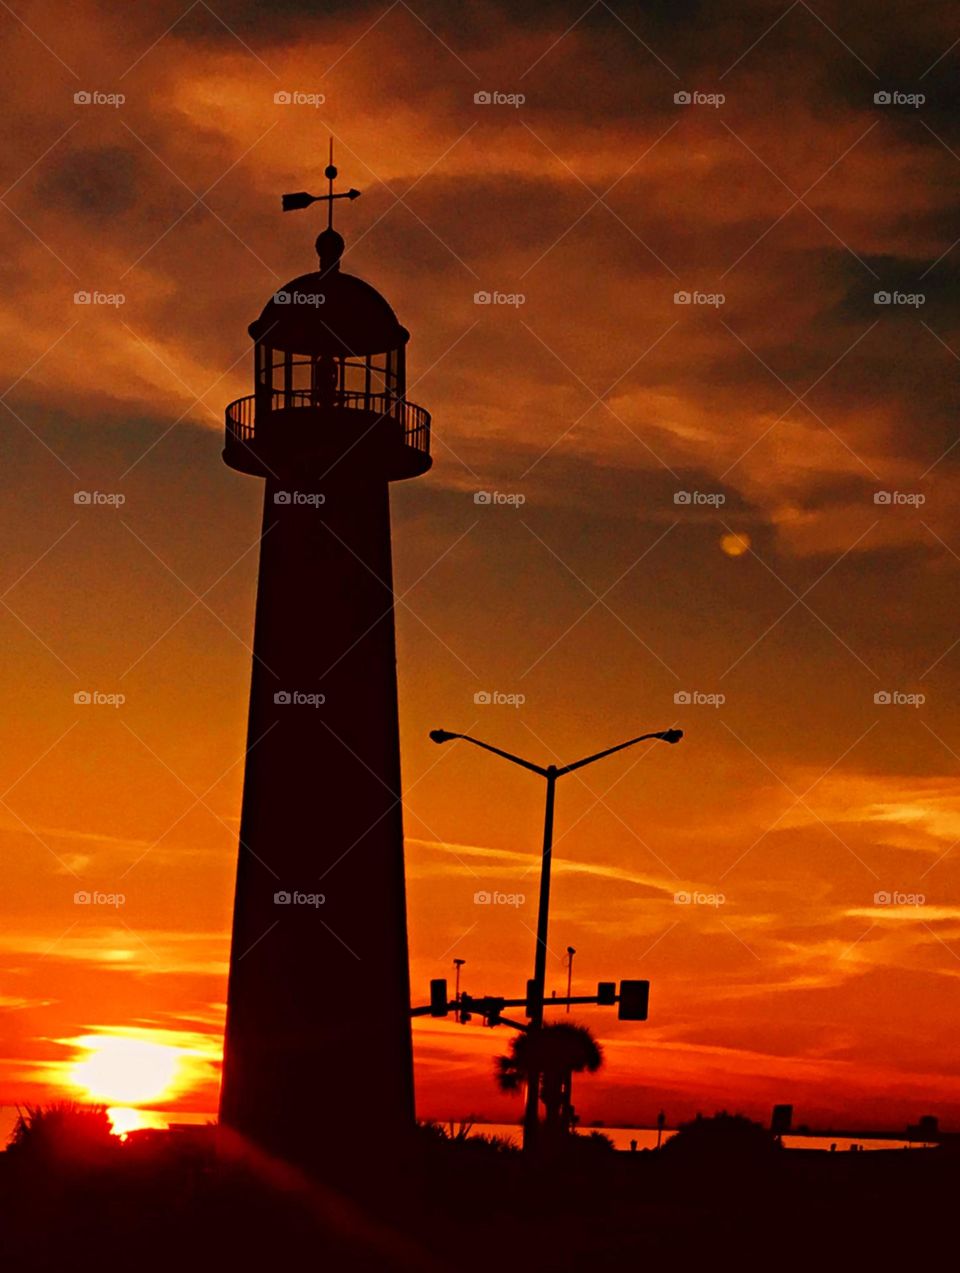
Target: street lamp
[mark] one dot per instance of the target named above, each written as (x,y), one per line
(458,964)
(551,773)
(570,954)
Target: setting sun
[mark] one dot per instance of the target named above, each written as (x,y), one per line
(125,1070)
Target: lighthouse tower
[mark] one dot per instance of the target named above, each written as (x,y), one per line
(317,1050)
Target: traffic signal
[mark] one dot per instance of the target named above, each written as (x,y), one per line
(634,1000)
(438,997)
(606,992)
(534,999)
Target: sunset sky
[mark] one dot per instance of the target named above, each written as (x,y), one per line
(780,600)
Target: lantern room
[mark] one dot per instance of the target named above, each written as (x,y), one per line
(329,383)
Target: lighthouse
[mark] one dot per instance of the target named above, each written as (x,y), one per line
(317,1054)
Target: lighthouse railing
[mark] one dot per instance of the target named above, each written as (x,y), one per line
(241,415)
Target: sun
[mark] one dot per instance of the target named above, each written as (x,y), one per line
(735,545)
(125,1071)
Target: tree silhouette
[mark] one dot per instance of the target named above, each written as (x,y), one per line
(63,1131)
(556,1052)
(726,1140)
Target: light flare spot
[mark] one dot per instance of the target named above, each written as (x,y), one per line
(735,545)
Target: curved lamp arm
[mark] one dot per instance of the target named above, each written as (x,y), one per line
(444,736)
(667,735)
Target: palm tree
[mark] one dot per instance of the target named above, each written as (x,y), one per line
(556,1052)
(63,1130)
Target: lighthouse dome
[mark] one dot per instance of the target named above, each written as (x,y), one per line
(329,312)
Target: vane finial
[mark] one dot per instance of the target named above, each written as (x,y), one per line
(330,172)
(329,243)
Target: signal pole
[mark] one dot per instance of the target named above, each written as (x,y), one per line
(570,954)
(536,987)
(458,964)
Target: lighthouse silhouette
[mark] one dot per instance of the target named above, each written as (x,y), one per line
(317,1055)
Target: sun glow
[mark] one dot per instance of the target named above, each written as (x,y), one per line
(122,1071)
(125,1119)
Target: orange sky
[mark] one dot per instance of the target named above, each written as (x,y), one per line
(599,599)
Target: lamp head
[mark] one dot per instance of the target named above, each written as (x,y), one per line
(442,735)
(672,735)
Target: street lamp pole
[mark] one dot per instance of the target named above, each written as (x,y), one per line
(538,988)
(458,964)
(531,1113)
(570,954)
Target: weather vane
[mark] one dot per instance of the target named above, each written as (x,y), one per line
(293,202)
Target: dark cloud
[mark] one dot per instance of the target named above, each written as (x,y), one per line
(100,184)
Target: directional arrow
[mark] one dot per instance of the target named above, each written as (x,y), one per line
(294,202)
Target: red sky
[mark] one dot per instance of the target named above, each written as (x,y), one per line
(599,599)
